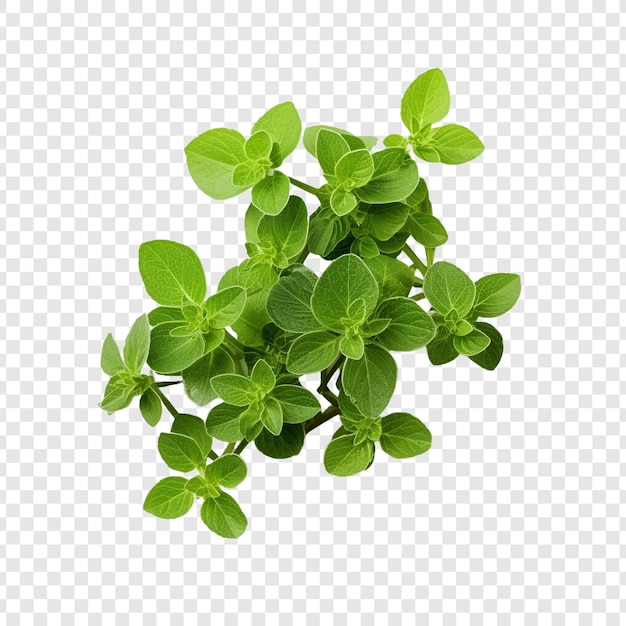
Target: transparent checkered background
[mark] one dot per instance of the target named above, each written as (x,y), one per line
(515,516)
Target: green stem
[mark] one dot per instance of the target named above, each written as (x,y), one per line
(303,186)
(321,418)
(327,374)
(417,282)
(418,297)
(233,342)
(169,383)
(329,396)
(241,447)
(166,403)
(229,448)
(303,255)
(417,262)
(430,256)
(212,455)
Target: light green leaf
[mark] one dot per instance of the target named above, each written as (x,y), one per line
(263,376)
(169,498)
(223,422)
(344,281)
(272,415)
(283,124)
(330,147)
(165,314)
(111,360)
(496,294)
(197,485)
(355,168)
(395,141)
(197,377)
(472,343)
(224,516)
(354,142)
(386,184)
(352,346)
(441,349)
(252,219)
(249,326)
(447,287)
(229,470)
(383,221)
(410,327)
(287,232)
(234,389)
(250,421)
(172,273)
(225,307)
(370,381)
(211,159)
(344,458)
(342,201)
(170,354)
(289,300)
(404,436)
(326,230)
(452,144)
(426,229)
(180,452)
(258,146)
(192,426)
(298,404)
(418,196)
(117,394)
(287,444)
(247,174)
(137,345)
(463,327)
(312,352)
(426,101)
(150,407)
(271,194)
(394,278)
(490,357)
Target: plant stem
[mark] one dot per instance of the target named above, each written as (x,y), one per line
(233,342)
(303,255)
(166,403)
(430,256)
(229,448)
(321,418)
(241,447)
(212,455)
(303,186)
(169,383)
(418,297)
(417,262)
(417,282)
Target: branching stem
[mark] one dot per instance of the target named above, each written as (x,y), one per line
(304,186)
(417,262)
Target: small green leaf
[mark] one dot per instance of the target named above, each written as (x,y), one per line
(247,174)
(326,230)
(197,485)
(472,343)
(490,357)
(344,458)
(410,327)
(353,141)
(370,381)
(111,360)
(258,146)
(352,346)
(426,229)
(197,377)
(223,422)
(447,287)
(234,389)
(355,168)
(229,470)
(344,281)
(249,326)
(137,345)
(165,314)
(426,101)
(271,194)
(192,426)
(172,273)
(251,222)
(312,352)
(289,443)
(404,436)
(117,394)
(441,349)
(224,516)
(180,452)
(150,407)
(283,125)
(386,184)
(342,201)
(452,144)
(263,376)
(225,307)
(169,498)
(393,277)
(272,415)
(395,141)
(330,147)
(287,232)
(298,404)
(366,248)
(496,294)
(383,221)
(170,354)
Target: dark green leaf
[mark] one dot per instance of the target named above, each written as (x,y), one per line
(366,248)
(344,458)
(383,221)
(224,516)
(441,349)
(169,498)
(272,415)
(491,355)
(180,452)
(287,444)
(326,230)
(404,436)
(410,327)
(150,407)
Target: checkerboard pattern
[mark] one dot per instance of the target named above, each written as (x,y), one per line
(515,516)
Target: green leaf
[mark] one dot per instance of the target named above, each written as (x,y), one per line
(418,196)
(491,355)
(394,245)
(272,415)
(395,141)
(165,314)
(137,345)
(289,300)
(426,229)
(225,307)
(452,144)
(197,377)
(263,376)
(252,219)
(393,277)
(496,294)
(117,394)
(344,281)
(249,326)
(472,343)
(111,360)
(289,443)
(344,458)
(426,101)
(463,327)
(258,146)
(150,407)
(172,273)
(404,436)
(170,354)
(180,452)
(355,168)
(326,230)
(283,125)
(383,221)
(223,422)
(354,142)
(287,232)
(298,404)
(271,194)
(234,389)
(352,346)
(386,184)
(441,349)
(312,352)
(197,485)
(410,327)
(192,426)
(370,381)
(169,498)
(447,287)
(247,174)
(211,159)
(224,516)
(330,147)
(250,421)
(342,201)
(366,248)
(229,470)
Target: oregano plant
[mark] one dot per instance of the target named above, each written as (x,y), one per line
(244,346)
